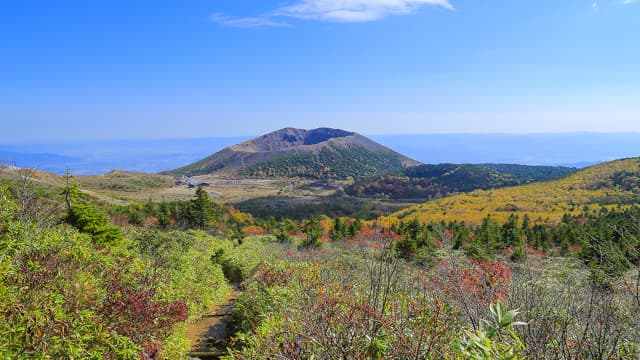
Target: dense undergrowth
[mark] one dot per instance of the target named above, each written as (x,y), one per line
(76,283)
(65,297)
(358,300)
(71,293)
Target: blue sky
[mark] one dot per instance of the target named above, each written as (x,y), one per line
(73,69)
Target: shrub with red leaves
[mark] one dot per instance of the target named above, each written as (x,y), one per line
(471,286)
(134,312)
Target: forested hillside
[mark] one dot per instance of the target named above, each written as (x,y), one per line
(331,162)
(81,278)
(608,184)
(436,181)
(318,153)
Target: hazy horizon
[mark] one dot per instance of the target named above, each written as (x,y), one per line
(576,149)
(247,136)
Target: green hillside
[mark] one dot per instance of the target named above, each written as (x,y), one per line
(331,162)
(436,181)
(318,154)
(609,184)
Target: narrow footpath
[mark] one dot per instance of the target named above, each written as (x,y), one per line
(209,336)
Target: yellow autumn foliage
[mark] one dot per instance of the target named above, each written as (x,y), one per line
(594,187)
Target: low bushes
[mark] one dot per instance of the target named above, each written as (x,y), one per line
(330,305)
(70,295)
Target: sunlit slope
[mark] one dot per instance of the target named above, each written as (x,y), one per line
(427,182)
(114,187)
(610,184)
(318,154)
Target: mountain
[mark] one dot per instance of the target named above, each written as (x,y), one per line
(42,161)
(319,153)
(154,155)
(435,181)
(115,187)
(608,184)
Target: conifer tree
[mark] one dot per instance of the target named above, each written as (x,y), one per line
(202,209)
(511,232)
(313,231)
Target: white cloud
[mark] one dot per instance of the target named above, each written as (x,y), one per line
(332,10)
(595,7)
(354,10)
(627,2)
(246,22)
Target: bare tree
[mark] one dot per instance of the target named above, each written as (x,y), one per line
(572,312)
(33,207)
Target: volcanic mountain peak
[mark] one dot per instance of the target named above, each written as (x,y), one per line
(317,153)
(288,138)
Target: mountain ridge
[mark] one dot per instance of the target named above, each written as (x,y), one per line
(291,152)
(608,184)
(439,180)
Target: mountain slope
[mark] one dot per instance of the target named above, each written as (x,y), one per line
(609,184)
(435,181)
(318,153)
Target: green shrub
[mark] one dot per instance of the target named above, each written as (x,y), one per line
(71,295)
(496,341)
(238,263)
(90,220)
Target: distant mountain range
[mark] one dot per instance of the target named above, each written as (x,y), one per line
(435,181)
(100,157)
(42,161)
(322,153)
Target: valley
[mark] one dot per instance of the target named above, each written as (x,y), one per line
(320,180)
(430,259)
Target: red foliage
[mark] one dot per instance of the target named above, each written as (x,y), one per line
(133,310)
(393,236)
(152,220)
(485,281)
(366,231)
(254,230)
(575,248)
(270,277)
(497,275)
(39,269)
(373,239)
(149,351)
